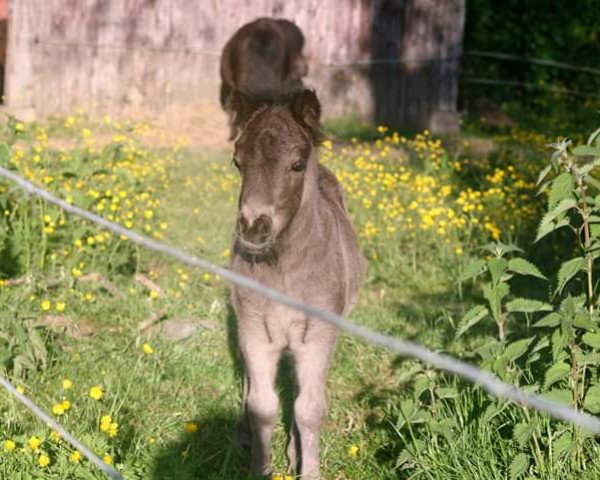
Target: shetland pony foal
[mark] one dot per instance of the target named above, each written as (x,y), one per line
(293,233)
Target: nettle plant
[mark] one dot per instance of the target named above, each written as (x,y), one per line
(556,351)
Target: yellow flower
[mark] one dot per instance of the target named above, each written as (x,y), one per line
(55,436)
(75,457)
(353,451)
(458,250)
(147,349)
(9,445)
(86,133)
(34,443)
(107,459)
(60,306)
(20,389)
(19,127)
(66,405)
(67,384)
(43,460)
(191,427)
(57,409)
(113,429)
(105,422)
(153,294)
(96,392)
(46,305)
(225,253)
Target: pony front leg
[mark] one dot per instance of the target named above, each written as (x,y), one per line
(312,364)
(262,403)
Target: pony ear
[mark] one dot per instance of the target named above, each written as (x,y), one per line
(240,107)
(306,108)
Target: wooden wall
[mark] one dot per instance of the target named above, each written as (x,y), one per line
(144,55)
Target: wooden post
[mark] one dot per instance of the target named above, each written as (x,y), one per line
(421,41)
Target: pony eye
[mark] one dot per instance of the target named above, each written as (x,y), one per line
(299,166)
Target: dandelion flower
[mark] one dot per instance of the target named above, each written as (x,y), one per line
(107,459)
(34,443)
(46,305)
(147,349)
(20,389)
(43,460)
(75,457)
(96,392)
(55,436)
(113,430)
(67,384)
(57,409)
(353,451)
(9,445)
(60,306)
(191,427)
(153,294)
(66,405)
(105,422)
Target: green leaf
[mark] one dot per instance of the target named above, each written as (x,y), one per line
(528,305)
(561,189)
(588,167)
(550,320)
(524,267)
(562,207)
(446,392)
(516,349)
(495,295)
(420,385)
(409,374)
(563,445)
(543,174)
(567,271)
(592,399)
(4,154)
(593,136)
(555,373)
(472,317)
(522,433)
(546,228)
(559,341)
(591,339)
(444,427)
(473,269)
(518,466)
(585,151)
(564,397)
(583,321)
(497,268)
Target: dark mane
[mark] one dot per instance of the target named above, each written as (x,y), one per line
(291,97)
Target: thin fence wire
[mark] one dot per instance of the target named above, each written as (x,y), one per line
(534,86)
(192,50)
(405,348)
(545,62)
(38,412)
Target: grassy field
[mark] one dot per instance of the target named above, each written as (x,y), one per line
(135,354)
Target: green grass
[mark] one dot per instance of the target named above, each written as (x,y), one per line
(410,290)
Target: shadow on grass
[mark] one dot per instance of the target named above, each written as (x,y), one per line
(213,451)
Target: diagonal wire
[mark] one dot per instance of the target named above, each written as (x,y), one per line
(405,348)
(92,457)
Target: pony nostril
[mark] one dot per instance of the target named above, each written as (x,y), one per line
(243,224)
(263,226)
(257,231)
